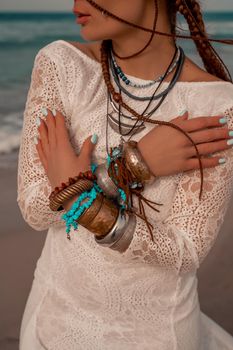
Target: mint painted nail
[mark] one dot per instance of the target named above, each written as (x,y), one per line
(35,140)
(44,111)
(231,133)
(38,121)
(94,138)
(54,112)
(183,112)
(222,160)
(230,142)
(222,121)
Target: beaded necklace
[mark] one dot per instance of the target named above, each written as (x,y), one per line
(130,129)
(146,98)
(129,82)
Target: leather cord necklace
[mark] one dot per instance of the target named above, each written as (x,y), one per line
(118,99)
(146,98)
(118,125)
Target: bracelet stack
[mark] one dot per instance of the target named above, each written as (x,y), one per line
(100,205)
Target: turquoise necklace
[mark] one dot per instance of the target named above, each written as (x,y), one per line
(129,82)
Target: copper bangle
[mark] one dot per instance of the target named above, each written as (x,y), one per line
(105,218)
(80,186)
(90,213)
(136,164)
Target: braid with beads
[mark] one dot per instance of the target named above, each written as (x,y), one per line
(191,11)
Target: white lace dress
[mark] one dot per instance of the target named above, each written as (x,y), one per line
(88,297)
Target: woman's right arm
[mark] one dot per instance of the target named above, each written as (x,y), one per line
(33,185)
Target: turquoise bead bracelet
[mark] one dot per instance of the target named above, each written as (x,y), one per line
(77,208)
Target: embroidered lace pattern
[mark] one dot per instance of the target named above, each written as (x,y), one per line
(88,293)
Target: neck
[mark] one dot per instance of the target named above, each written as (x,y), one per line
(154,60)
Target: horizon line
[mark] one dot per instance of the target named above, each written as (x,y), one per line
(68,12)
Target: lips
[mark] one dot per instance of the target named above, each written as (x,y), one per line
(80,14)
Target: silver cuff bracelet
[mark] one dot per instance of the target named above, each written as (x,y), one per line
(105,182)
(121,234)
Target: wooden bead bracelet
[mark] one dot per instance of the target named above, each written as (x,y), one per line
(88,175)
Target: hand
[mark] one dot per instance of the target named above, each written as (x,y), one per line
(168,151)
(56,152)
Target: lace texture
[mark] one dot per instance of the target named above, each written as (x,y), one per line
(85,296)
(185,237)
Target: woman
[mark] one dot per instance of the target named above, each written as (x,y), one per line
(86,295)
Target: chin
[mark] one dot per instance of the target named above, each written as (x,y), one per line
(89,34)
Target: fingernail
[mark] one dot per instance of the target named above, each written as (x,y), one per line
(35,140)
(230,142)
(54,112)
(38,121)
(94,139)
(222,160)
(222,121)
(231,133)
(44,111)
(183,112)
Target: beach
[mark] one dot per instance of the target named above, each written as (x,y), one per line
(20,245)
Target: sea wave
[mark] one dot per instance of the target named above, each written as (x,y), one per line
(23,34)
(10,132)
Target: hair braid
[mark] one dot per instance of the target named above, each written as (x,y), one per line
(191,11)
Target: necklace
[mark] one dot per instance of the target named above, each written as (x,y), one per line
(126,129)
(126,92)
(129,82)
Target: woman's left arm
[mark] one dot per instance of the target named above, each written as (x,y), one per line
(185,237)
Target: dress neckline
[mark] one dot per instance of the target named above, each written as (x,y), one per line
(136,79)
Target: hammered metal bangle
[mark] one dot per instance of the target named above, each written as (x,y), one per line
(80,186)
(124,241)
(90,213)
(121,234)
(105,218)
(105,182)
(136,164)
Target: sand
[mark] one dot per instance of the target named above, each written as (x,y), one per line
(20,247)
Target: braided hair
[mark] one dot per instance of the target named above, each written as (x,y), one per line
(191,11)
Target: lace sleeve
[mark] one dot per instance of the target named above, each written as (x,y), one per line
(185,237)
(33,187)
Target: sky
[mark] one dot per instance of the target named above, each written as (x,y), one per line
(64,5)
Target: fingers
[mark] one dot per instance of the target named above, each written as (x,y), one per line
(208,148)
(193,163)
(50,122)
(41,154)
(199,123)
(61,129)
(43,135)
(88,146)
(208,135)
(178,120)
(52,130)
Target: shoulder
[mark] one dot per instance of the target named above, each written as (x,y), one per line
(205,94)
(66,53)
(193,73)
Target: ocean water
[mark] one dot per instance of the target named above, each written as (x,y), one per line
(23,34)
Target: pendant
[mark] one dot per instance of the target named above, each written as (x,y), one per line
(125,128)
